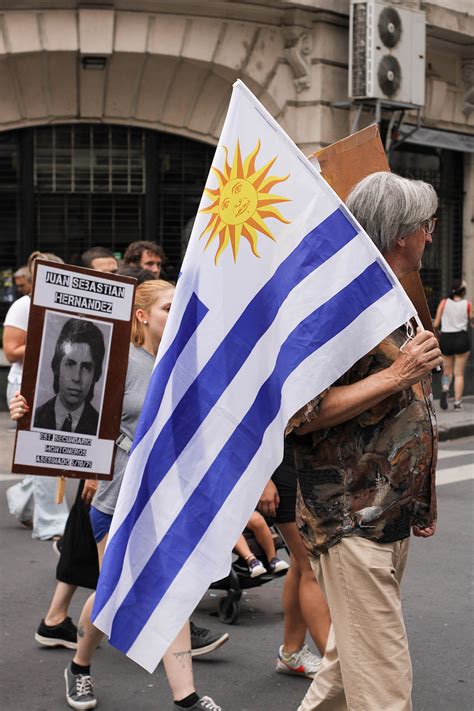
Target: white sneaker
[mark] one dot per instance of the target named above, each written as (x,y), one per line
(300,663)
(256,567)
(276,565)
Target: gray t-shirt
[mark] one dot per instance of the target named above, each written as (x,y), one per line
(140,368)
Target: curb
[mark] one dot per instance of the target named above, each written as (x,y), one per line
(456,432)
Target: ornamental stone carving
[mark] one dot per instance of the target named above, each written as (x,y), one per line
(468,79)
(298,46)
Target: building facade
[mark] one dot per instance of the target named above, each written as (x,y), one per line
(110,111)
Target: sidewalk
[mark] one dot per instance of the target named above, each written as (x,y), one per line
(452,425)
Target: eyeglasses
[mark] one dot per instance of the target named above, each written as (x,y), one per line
(429,225)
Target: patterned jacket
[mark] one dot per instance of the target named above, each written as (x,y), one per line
(374,475)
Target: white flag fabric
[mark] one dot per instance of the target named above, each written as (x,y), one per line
(280,293)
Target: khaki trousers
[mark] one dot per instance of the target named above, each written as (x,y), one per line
(367,664)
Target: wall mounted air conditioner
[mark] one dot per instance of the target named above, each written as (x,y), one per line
(386,52)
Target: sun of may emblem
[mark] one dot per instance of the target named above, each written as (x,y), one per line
(241,203)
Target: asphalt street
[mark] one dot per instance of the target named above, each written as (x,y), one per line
(241,676)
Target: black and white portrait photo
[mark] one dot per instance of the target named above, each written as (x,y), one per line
(71,375)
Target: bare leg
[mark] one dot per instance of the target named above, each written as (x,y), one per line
(177,660)
(178,665)
(262,533)
(88,636)
(447,376)
(242,548)
(294,624)
(459,368)
(310,607)
(60,602)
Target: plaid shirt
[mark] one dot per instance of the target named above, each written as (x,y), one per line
(374,475)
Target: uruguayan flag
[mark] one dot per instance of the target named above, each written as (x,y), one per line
(280,293)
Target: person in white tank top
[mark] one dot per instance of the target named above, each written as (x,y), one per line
(453,318)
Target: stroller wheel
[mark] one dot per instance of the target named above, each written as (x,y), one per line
(228,610)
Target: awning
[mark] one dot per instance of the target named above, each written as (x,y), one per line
(438,139)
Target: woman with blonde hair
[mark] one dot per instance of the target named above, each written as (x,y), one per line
(152,304)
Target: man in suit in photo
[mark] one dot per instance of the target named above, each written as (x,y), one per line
(77,366)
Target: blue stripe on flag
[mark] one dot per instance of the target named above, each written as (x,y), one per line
(319,245)
(193,315)
(201,508)
(315,248)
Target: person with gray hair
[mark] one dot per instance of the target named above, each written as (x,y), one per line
(390,207)
(365,457)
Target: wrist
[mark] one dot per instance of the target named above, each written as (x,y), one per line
(394,380)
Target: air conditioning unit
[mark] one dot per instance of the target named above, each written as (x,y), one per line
(386,52)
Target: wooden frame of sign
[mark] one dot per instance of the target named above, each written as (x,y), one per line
(74,371)
(343,165)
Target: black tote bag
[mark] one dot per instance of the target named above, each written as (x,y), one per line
(78,562)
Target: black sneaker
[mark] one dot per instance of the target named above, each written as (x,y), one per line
(443,401)
(62,635)
(204,641)
(204,704)
(79,690)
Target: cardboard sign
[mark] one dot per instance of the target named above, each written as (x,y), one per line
(346,162)
(74,371)
(343,165)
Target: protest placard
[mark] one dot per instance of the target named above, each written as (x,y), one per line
(74,371)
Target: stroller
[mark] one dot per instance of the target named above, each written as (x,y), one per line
(239,579)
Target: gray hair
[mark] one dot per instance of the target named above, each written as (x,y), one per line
(22,272)
(390,207)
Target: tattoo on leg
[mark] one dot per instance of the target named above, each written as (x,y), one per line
(183,657)
(80,631)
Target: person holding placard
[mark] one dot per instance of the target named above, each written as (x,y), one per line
(152,303)
(33,500)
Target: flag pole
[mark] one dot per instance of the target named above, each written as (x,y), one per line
(439,368)
(60,490)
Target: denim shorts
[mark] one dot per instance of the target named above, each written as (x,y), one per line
(100,523)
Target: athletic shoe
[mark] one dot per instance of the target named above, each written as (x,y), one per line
(458,405)
(300,663)
(443,401)
(276,565)
(204,641)
(79,690)
(256,567)
(58,546)
(205,704)
(62,635)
